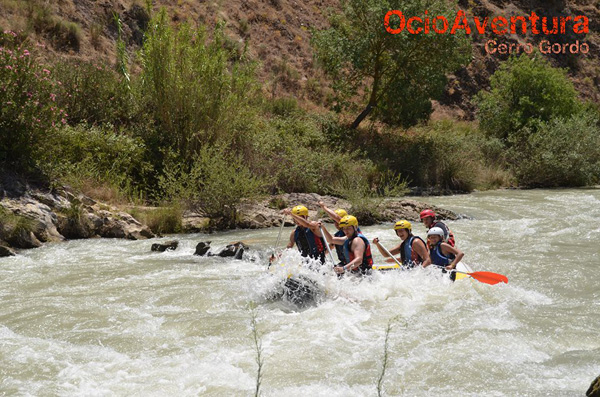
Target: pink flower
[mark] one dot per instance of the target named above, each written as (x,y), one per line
(26,53)
(46,71)
(8,67)
(63,121)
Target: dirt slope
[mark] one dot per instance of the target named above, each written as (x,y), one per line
(278,34)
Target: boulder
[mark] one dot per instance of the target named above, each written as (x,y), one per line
(395,210)
(267,213)
(202,248)
(22,238)
(5,251)
(166,246)
(235,250)
(594,390)
(120,225)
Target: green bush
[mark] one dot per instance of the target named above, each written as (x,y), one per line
(79,154)
(443,154)
(196,94)
(213,185)
(366,191)
(93,93)
(522,91)
(29,112)
(560,152)
(294,154)
(161,220)
(283,106)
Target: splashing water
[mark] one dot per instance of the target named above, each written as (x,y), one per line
(108,317)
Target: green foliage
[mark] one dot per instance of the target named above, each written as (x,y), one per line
(196,94)
(122,58)
(294,153)
(162,220)
(93,94)
(446,155)
(522,92)
(29,112)
(12,225)
(398,74)
(81,153)
(559,152)
(213,185)
(367,191)
(283,106)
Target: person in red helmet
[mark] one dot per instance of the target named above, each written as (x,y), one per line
(428,219)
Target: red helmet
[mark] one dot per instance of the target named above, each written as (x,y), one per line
(426,213)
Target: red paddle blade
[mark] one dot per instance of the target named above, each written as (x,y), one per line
(489,277)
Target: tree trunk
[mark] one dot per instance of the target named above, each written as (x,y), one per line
(372,98)
(362,116)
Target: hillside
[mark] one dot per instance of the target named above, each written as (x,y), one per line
(277,33)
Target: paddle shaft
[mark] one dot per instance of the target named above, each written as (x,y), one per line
(390,255)
(327,245)
(280,230)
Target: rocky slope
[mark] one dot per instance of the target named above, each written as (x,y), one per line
(31,215)
(278,35)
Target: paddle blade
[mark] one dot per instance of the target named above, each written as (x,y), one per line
(489,277)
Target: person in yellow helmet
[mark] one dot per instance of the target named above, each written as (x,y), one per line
(307,236)
(335,216)
(413,250)
(355,245)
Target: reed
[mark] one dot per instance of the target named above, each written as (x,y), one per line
(257,340)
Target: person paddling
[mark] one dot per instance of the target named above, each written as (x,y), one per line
(357,249)
(442,254)
(412,250)
(335,217)
(307,235)
(428,219)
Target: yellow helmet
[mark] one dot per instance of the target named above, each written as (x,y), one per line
(403,225)
(300,210)
(348,220)
(341,213)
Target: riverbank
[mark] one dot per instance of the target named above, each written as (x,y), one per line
(31,215)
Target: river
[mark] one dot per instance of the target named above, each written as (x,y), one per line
(107,317)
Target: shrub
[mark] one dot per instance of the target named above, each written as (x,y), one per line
(197,96)
(560,152)
(79,154)
(443,154)
(284,106)
(12,225)
(294,154)
(162,220)
(214,184)
(93,93)
(522,91)
(29,112)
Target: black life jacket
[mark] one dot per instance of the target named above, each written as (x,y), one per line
(309,244)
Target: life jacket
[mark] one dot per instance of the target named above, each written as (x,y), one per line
(367,259)
(339,249)
(438,258)
(448,235)
(309,244)
(409,257)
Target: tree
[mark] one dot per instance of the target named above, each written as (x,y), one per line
(397,74)
(523,92)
